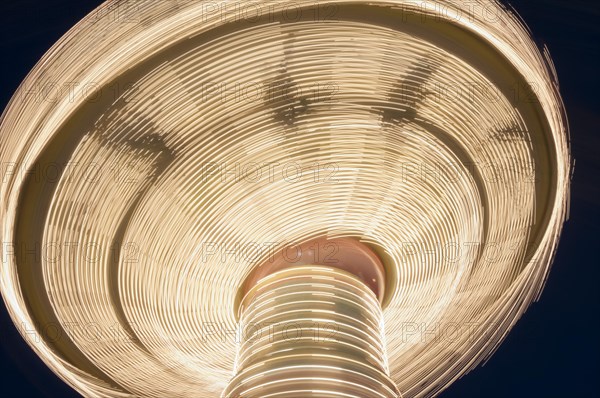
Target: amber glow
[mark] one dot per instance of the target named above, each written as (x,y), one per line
(193,144)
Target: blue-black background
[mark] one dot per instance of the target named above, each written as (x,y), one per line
(554,350)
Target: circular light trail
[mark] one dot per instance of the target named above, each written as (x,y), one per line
(161,151)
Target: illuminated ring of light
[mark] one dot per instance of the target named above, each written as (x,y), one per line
(365,90)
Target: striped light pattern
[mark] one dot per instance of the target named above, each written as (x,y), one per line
(162,149)
(311,331)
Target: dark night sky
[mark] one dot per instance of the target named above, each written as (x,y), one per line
(554,349)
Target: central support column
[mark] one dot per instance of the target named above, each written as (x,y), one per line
(311,330)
